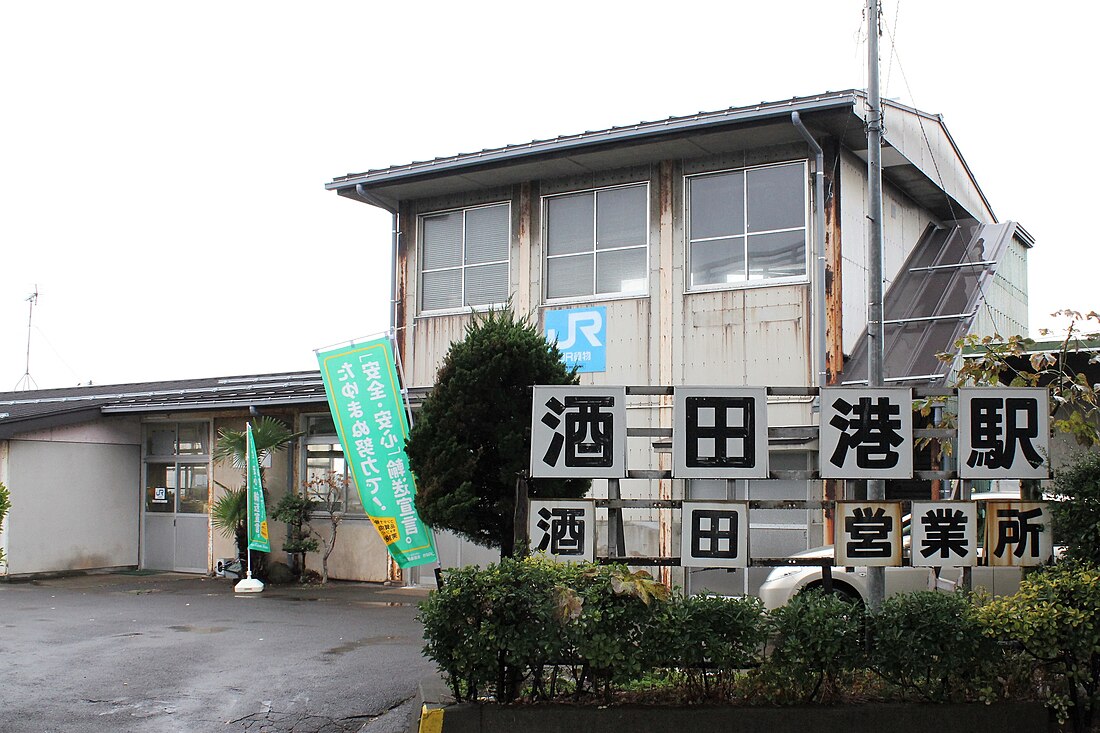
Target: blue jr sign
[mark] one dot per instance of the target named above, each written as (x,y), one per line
(581,335)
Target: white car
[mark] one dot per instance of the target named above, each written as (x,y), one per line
(783,583)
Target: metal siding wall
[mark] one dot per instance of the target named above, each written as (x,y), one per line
(75,506)
(935,157)
(1005,312)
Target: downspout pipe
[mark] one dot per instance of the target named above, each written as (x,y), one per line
(819,246)
(395,235)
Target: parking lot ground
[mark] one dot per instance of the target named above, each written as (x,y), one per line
(172,652)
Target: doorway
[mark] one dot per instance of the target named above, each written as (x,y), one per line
(176,516)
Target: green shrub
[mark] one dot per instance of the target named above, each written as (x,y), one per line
(488,629)
(932,644)
(1055,620)
(492,630)
(1077,513)
(817,646)
(610,634)
(709,640)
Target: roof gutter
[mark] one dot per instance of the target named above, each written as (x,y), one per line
(819,245)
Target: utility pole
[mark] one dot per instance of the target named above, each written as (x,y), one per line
(876,488)
(27,381)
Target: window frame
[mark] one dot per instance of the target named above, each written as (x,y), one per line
(462,266)
(178,463)
(546,256)
(307,440)
(689,241)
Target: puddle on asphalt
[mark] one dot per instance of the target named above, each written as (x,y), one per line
(368,641)
(200,629)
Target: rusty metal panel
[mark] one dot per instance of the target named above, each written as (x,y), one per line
(747,336)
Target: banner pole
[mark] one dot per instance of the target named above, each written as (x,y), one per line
(438,566)
(248,585)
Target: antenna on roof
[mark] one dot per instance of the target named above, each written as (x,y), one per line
(27,382)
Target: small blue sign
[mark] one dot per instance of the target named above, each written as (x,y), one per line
(581,335)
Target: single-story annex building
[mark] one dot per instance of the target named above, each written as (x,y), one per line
(122,476)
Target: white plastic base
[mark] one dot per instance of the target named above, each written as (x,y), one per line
(249,585)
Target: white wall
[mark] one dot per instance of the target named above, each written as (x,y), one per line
(75,506)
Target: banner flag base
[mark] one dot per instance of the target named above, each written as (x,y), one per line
(249,585)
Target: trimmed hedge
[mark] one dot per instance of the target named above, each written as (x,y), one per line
(538,630)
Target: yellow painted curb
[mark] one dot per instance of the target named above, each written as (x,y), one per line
(431,721)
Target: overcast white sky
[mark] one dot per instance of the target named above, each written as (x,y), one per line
(163,164)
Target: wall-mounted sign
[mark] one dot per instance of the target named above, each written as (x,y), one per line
(581,336)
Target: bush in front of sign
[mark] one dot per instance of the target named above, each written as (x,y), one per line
(1077,509)
(931,644)
(490,629)
(817,650)
(709,641)
(1054,619)
(471,439)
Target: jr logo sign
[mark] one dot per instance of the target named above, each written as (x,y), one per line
(581,335)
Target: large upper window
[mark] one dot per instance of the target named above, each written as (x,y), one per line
(464,258)
(747,225)
(597,242)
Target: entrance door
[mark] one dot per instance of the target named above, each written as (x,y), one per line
(177,496)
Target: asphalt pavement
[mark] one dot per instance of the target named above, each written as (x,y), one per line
(171,652)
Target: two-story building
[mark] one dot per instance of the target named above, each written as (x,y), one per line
(718,259)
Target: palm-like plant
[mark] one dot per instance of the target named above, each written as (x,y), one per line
(229,514)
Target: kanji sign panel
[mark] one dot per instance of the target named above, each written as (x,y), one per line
(1017,533)
(562,529)
(866,433)
(581,336)
(720,432)
(944,534)
(868,533)
(578,432)
(1004,432)
(714,534)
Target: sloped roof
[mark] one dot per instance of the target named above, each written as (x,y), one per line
(32,410)
(918,156)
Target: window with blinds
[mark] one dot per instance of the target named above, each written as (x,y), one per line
(597,242)
(464,258)
(747,226)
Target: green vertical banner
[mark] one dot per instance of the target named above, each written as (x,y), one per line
(257,512)
(365,398)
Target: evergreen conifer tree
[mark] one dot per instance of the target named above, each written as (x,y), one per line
(471,440)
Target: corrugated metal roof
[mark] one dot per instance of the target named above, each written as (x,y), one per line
(38,408)
(686,123)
